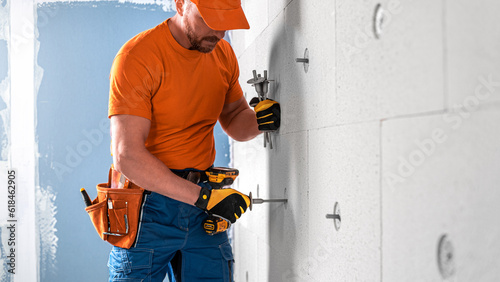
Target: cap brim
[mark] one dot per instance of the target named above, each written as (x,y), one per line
(224,19)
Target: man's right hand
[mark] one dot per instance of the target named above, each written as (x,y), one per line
(227,203)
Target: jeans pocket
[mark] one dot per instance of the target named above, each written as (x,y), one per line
(130,264)
(228,261)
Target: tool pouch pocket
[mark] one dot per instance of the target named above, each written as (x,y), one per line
(115,214)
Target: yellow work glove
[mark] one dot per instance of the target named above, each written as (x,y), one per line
(268,114)
(226,203)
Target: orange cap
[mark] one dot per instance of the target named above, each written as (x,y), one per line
(222,14)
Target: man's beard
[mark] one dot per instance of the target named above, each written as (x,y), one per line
(196,43)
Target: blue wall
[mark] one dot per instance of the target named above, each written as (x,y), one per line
(77,45)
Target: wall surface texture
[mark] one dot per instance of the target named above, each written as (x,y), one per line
(400,129)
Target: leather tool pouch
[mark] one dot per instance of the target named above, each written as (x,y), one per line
(115,212)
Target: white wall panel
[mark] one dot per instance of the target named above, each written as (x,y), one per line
(276,7)
(245,253)
(256,12)
(344,168)
(440,176)
(281,229)
(284,40)
(251,230)
(399,74)
(473,41)
(267,52)
(288,224)
(309,98)
(369,125)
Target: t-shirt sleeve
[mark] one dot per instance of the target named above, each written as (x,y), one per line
(234,92)
(131,87)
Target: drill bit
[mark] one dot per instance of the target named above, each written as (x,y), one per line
(261,201)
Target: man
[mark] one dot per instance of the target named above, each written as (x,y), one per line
(168,87)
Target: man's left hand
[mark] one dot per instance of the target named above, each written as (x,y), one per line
(268,114)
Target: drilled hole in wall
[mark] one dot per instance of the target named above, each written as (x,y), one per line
(445,257)
(378,21)
(285,196)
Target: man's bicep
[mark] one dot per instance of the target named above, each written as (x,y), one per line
(128,132)
(231,110)
(131,87)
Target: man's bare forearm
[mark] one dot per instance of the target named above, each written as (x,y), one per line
(147,171)
(243,126)
(130,157)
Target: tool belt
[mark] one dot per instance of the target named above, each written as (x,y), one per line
(115,212)
(117,209)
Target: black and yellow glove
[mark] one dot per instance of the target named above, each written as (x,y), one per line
(268,114)
(226,203)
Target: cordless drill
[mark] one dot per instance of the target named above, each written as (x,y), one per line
(218,178)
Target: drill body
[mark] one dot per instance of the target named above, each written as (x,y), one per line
(218,178)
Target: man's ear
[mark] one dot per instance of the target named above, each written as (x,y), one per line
(179,6)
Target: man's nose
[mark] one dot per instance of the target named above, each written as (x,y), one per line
(220,33)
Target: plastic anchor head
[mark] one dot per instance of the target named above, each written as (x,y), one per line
(251,201)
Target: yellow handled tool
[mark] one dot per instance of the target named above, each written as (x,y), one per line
(219,177)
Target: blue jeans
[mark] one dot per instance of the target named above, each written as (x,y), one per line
(171,240)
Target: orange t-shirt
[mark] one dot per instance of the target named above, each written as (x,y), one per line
(181,91)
